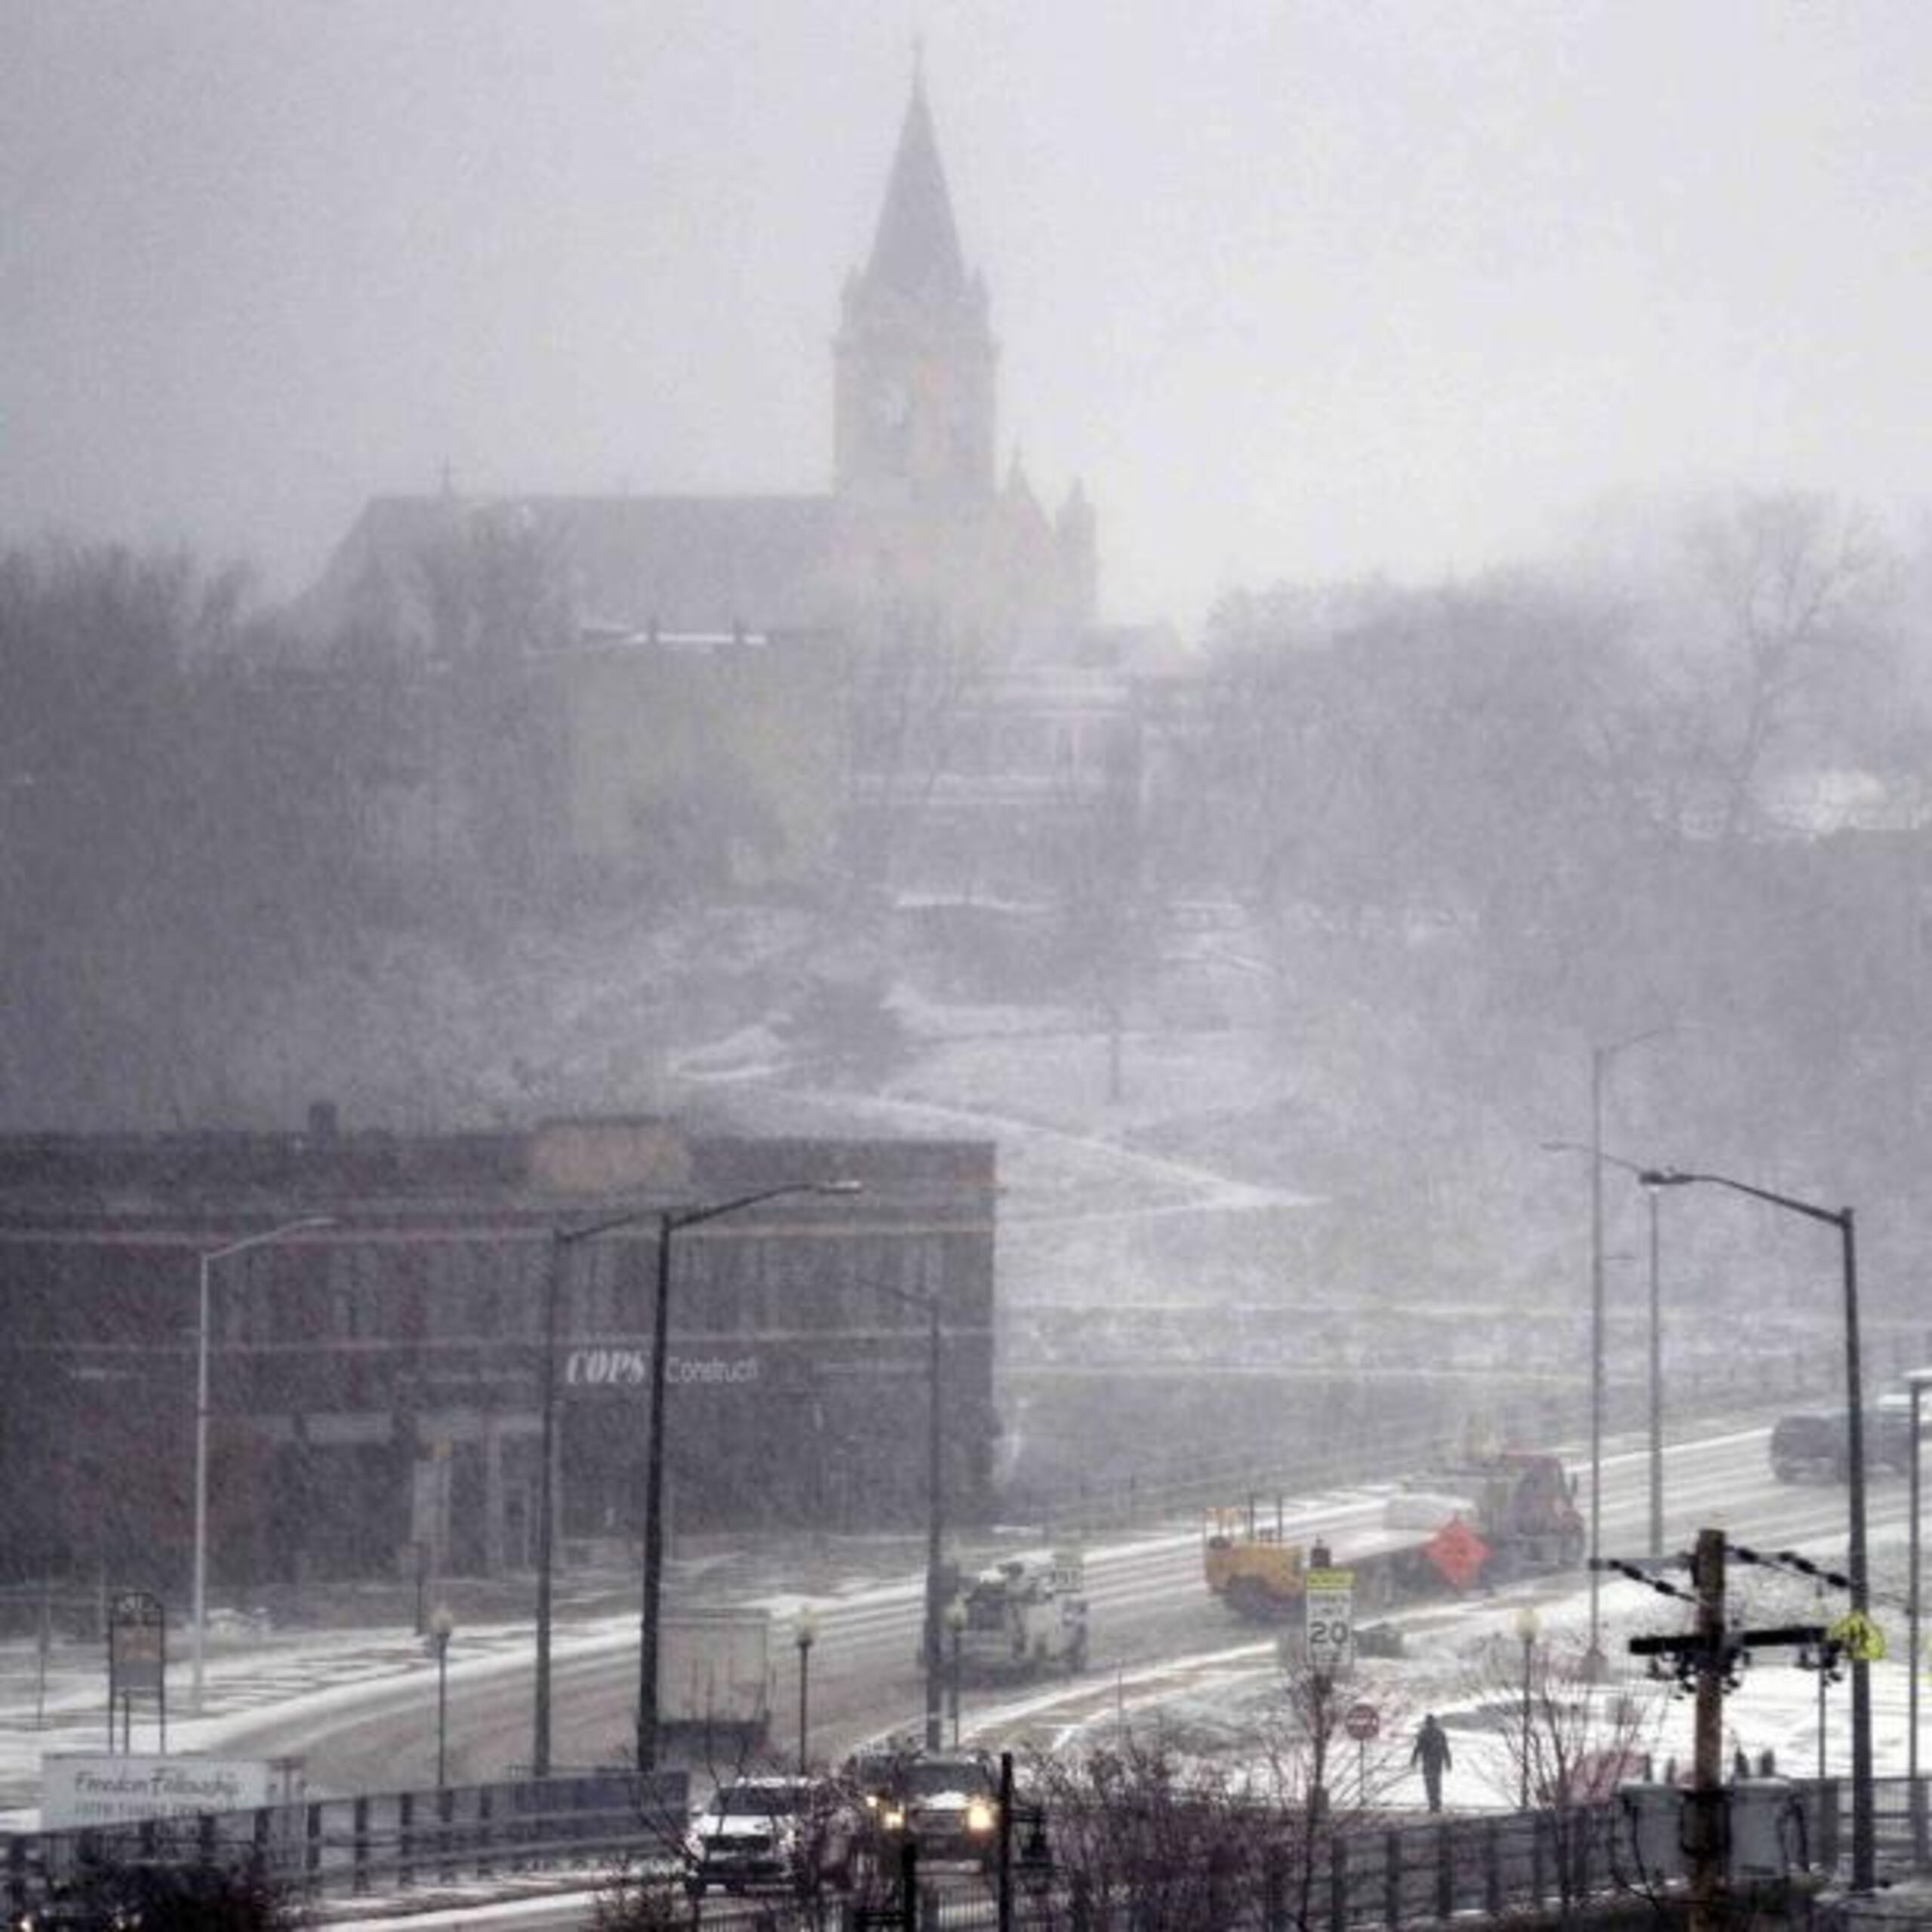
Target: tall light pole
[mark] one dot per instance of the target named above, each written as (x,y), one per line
(1656,1381)
(804,1632)
(442,1626)
(1864,1851)
(670,1221)
(955,1629)
(1918,1381)
(1527,1625)
(932,1647)
(199,1650)
(562,1240)
(1656,1347)
(1600,1056)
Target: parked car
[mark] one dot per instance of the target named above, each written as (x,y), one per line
(790,1833)
(1817,1443)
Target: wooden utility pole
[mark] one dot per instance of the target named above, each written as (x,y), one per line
(1704,1658)
(1706,1834)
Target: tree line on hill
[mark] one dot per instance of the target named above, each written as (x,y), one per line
(1578,800)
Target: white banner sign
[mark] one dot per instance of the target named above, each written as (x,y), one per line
(97,1788)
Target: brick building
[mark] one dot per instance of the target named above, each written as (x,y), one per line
(374,1382)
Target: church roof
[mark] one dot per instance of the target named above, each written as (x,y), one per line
(916,250)
(683,563)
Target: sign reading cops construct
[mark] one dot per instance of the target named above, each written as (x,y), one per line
(619,1369)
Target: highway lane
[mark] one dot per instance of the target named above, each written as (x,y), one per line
(1147,1602)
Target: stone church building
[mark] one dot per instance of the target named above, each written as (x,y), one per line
(905,676)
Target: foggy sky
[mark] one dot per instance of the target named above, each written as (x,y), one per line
(1300,290)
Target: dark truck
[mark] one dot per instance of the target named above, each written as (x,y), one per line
(1816,1443)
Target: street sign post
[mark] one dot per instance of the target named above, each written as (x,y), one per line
(136,1660)
(1361,1721)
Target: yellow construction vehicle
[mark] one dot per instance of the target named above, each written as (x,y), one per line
(1251,1566)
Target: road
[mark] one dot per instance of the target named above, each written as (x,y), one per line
(1153,1625)
(1147,1604)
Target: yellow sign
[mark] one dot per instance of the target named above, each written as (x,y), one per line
(1331,1579)
(1858,1637)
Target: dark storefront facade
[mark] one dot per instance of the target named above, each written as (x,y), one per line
(375,1383)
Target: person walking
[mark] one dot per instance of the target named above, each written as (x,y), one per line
(1431,1753)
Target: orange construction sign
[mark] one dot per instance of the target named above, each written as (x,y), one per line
(1458,1553)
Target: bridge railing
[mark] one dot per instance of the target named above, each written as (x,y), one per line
(1367,1876)
(387,1843)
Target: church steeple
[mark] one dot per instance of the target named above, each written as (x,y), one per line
(914,355)
(916,250)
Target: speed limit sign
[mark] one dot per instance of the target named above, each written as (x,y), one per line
(1331,1619)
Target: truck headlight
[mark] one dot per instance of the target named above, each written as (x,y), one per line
(978,1815)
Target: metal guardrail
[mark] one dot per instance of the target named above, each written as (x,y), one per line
(1162,1493)
(388,1843)
(1349,1881)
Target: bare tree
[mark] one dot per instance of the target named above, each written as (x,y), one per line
(1183,1841)
(1794,586)
(1567,1741)
(914,680)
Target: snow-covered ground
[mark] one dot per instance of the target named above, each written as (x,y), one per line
(1463,1662)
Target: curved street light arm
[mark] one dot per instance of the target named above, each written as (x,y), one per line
(1836,1217)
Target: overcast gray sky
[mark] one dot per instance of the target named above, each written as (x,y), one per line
(1301,290)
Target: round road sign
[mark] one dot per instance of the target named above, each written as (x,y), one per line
(1361,1721)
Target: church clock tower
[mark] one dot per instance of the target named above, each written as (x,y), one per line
(915,355)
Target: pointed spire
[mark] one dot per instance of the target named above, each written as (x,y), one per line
(916,250)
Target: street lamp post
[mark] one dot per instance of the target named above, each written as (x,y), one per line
(803,1633)
(197,1650)
(1864,1860)
(1600,1056)
(1655,1381)
(1598,1155)
(955,1626)
(1527,1625)
(931,1648)
(1918,1381)
(561,1241)
(442,1624)
(671,1221)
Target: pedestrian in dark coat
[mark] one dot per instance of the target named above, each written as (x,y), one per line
(1431,1753)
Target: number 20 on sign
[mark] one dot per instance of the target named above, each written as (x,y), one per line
(1331,1633)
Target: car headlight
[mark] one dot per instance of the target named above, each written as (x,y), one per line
(978,1815)
(893,1818)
